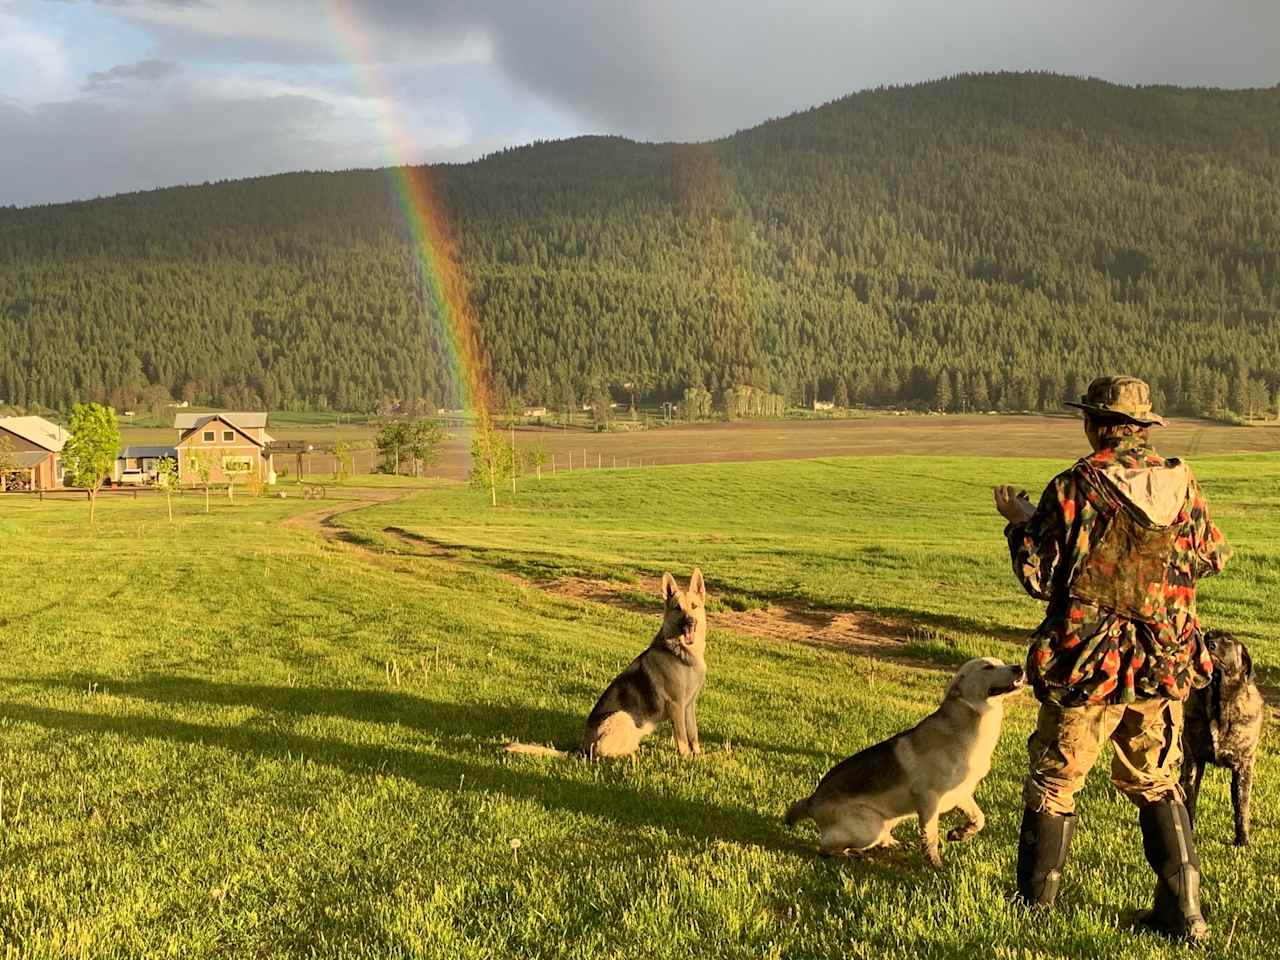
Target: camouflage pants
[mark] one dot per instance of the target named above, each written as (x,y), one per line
(1146,737)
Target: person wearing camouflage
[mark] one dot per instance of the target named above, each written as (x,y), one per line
(1115,547)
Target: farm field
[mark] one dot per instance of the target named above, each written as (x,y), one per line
(875,434)
(274,731)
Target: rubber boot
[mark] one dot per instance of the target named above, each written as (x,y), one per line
(1170,846)
(1042,850)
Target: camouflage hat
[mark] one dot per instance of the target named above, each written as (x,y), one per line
(1120,398)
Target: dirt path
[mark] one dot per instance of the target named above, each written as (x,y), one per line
(855,630)
(318,521)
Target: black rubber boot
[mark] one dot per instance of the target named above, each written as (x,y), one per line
(1042,851)
(1170,846)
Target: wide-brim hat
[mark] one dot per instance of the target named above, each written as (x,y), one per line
(1120,398)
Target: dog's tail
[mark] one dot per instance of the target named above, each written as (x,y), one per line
(798,811)
(534,750)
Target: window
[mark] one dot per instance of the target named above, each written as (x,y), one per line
(237,464)
(228,436)
(208,436)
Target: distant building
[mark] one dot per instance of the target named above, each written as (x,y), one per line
(235,443)
(34,448)
(535,411)
(140,464)
(823,405)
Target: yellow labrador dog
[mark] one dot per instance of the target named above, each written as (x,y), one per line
(924,772)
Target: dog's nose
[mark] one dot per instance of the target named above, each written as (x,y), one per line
(1017,672)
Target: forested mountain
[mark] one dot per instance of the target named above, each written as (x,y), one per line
(981,241)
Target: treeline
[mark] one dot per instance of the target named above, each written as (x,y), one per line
(981,242)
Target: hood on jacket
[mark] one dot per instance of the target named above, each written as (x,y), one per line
(1158,493)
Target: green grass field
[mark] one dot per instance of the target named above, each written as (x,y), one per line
(233,737)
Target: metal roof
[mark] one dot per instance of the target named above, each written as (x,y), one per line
(28,458)
(37,430)
(138,452)
(245,421)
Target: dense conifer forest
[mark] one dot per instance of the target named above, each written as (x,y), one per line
(980,242)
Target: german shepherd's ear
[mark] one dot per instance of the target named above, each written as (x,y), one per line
(669,588)
(697,585)
(1247,661)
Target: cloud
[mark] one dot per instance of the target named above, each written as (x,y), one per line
(125,94)
(673,69)
(127,74)
(86,148)
(33,63)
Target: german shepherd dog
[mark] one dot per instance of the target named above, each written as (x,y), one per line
(662,683)
(926,771)
(1223,726)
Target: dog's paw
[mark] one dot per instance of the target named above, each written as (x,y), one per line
(960,834)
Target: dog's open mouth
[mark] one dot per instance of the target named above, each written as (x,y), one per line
(688,635)
(1018,683)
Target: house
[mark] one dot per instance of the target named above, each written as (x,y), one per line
(32,447)
(139,464)
(824,405)
(535,411)
(233,444)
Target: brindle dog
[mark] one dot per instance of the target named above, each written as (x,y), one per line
(1223,726)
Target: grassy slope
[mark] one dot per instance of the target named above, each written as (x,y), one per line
(911,536)
(213,761)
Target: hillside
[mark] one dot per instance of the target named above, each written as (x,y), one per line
(982,241)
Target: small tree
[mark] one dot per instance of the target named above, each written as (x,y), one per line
(535,458)
(423,440)
(90,452)
(391,442)
(167,480)
(202,466)
(342,460)
(7,462)
(492,459)
(235,472)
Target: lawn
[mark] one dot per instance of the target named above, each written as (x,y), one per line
(232,737)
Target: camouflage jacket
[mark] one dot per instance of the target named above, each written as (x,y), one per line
(1088,653)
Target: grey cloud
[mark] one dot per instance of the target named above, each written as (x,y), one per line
(90,147)
(651,69)
(674,69)
(147,71)
(703,69)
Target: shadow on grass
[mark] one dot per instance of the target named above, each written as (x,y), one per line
(472,721)
(542,782)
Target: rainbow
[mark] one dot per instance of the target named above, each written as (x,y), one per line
(435,249)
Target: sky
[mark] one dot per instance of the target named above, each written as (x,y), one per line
(106,96)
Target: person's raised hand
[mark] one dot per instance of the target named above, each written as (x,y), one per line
(1013,504)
